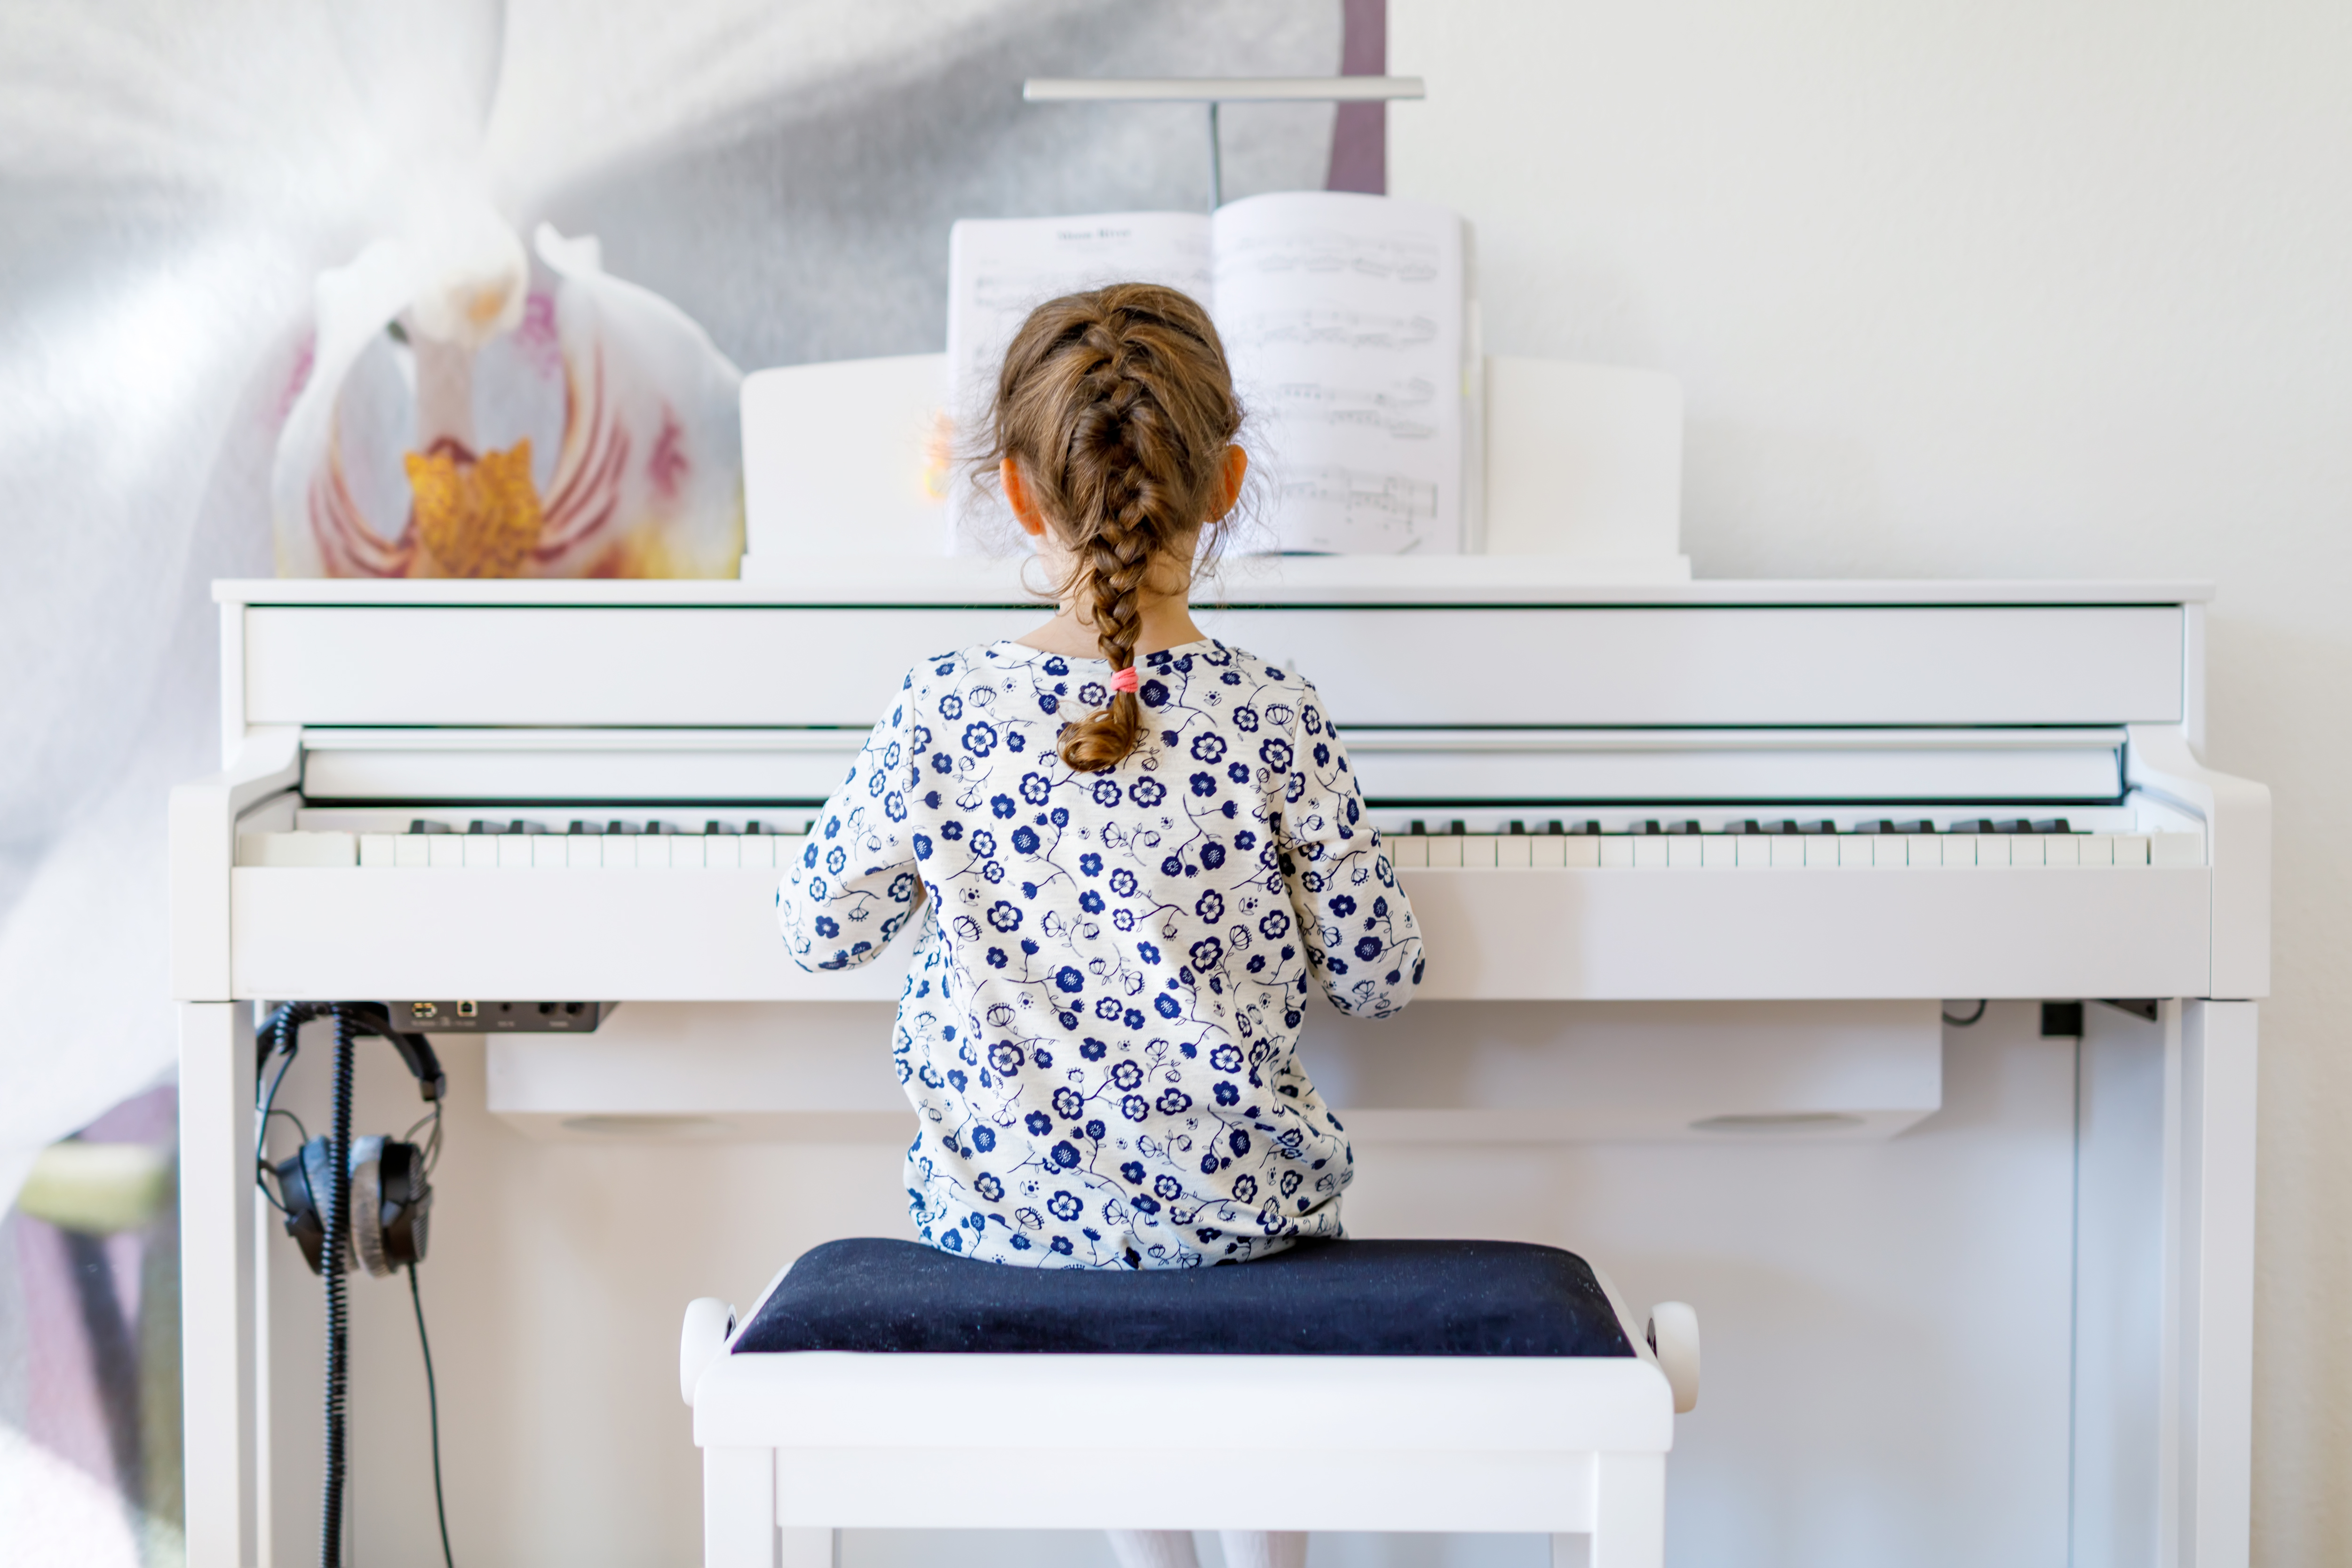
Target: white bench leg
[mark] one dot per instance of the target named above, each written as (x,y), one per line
(738,1508)
(1629,1511)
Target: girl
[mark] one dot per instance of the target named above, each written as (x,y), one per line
(1136,845)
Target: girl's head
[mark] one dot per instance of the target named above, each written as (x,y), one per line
(1113,428)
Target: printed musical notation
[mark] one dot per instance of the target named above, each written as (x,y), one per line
(1377,330)
(1402,259)
(1402,411)
(1348,512)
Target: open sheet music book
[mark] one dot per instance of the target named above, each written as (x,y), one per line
(1343,317)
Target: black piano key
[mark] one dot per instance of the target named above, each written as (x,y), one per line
(617,826)
(2052,824)
(1921,825)
(1743,825)
(1686,828)
(1458,828)
(714,826)
(1587,828)
(1517,828)
(582,826)
(1419,829)
(658,827)
(424,825)
(1873,824)
(1650,826)
(2014,825)
(519,825)
(478,825)
(1822,826)
(1973,825)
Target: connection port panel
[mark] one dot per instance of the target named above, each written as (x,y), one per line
(502,1018)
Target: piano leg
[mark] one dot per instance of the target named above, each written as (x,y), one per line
(1629,1514)
(2206,1461)
(217,1291)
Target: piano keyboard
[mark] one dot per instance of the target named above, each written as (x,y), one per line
(484,844)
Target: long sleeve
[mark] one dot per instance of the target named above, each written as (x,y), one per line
(1361,942)
(855,883)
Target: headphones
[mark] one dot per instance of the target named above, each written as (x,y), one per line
(388,1201)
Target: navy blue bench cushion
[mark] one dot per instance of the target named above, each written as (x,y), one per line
(1331,1297)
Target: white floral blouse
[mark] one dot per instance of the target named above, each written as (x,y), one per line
(1098,1032)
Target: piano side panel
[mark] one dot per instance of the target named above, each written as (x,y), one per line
(1492,935)
(1744,666)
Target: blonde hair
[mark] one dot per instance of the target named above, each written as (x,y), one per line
(1118,406)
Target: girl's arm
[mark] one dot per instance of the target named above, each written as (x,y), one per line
(1361,941)
(854,883)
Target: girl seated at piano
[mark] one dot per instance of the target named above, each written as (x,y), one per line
(1133,849)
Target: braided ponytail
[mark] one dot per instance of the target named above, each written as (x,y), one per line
(1118,406)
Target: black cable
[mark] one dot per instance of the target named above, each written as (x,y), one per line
(330,1196)
(433,1404)
(1971,1019)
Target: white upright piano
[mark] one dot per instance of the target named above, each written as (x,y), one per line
(1790,820)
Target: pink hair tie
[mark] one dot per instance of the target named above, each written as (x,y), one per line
(1123,679)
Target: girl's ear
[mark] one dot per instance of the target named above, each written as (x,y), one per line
(1236,469)
(1024,504)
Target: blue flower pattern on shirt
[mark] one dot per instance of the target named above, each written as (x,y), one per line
(1098,1029)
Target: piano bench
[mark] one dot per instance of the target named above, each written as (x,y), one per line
(1365,1385)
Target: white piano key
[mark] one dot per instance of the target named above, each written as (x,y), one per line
(1788,852)
(1550,852)
(514,851)
(1856,851)
(652,851)
(1890,852)
(1820,850)
(1719,851)
(2061,850)
(412,851)
(2175,849)
(1649,852)
(1478,850)
(620,851)
(584,851)
(1580,854)
(1751,851)
(297,849)
(2026,851)
(1923,850)
(1406,849)
(378,850)
(475,851)
(1445,849)
(722,851)
(1515,852)
(549,852)
(1616,851)
(2095,849)
(1686,853)
(1992,850)
(757,851)
(2131,849)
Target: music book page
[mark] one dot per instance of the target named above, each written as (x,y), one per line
(1342,316)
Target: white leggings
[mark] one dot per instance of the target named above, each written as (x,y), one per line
(1243,1548)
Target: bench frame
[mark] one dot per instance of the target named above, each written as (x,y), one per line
(801,1445)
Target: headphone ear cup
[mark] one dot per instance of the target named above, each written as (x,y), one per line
(367,1205)
(407,1204)
(302,1221)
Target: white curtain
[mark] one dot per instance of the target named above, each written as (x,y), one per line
(174,176)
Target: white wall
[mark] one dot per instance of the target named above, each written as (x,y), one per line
(1996,290)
